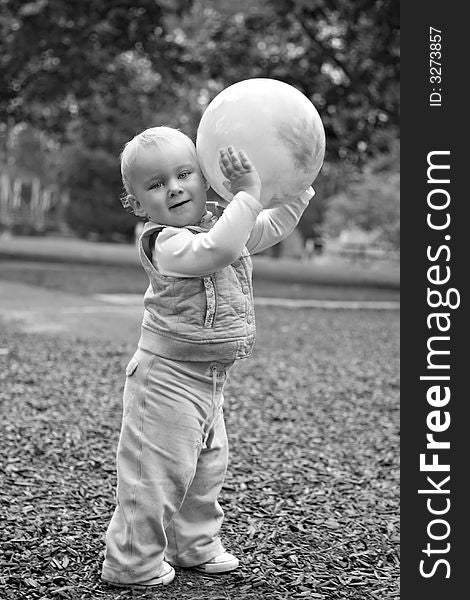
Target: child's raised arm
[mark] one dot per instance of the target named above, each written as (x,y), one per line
(275,224)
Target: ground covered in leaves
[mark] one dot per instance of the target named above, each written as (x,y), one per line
(311,498)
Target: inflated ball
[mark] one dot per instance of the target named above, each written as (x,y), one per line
(275,124)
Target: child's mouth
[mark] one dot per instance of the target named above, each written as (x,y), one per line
(179,204)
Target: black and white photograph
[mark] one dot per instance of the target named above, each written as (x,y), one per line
(200,298)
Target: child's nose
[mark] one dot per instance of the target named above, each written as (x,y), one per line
(174,188)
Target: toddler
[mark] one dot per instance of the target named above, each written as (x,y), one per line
(198,320)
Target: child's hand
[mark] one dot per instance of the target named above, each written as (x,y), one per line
(240,172)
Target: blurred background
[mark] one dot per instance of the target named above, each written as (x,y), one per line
(79,79)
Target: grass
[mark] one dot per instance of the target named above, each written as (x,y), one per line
(84,267)
(86,279)
(311,497)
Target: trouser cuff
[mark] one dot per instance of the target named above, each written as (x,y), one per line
(193,558)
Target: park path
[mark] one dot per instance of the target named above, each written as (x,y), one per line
(113,317)
(37,310)
(117,317)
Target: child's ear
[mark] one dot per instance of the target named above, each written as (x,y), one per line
(207,185)
(136,206)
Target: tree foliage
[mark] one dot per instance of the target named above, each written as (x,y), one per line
(371,203)
(57,56)
(90,74)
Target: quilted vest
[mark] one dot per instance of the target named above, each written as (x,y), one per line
(197,318)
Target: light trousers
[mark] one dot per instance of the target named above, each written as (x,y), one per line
(171,463)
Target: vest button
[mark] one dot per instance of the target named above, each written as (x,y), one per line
(245,289)
(249,319)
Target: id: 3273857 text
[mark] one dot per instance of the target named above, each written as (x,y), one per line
(435,66)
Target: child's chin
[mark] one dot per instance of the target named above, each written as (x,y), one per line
(183,222)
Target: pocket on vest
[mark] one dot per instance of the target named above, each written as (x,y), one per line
(195,301)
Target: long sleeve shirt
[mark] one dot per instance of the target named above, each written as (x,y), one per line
(180,253)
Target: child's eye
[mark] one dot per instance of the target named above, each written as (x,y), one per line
(184,174)
(156,184)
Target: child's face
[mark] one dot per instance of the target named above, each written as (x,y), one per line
(168,185)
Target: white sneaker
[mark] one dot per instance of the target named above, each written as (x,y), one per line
(165,578)
(219,564)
